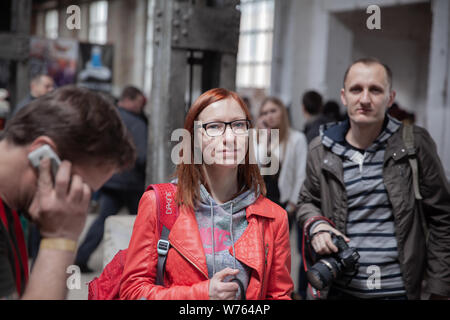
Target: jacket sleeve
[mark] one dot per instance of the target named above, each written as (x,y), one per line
(301,152)
(435,191)
(139,274)
(138,130)
(280,283)
(310,196)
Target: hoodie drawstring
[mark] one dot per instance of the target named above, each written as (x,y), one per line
(212,237)
(232,238)
(241,291)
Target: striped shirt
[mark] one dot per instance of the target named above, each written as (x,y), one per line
(370,222)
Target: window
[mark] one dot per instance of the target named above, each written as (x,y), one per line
(255,44)
(51,24)
(98,16)
(149,49)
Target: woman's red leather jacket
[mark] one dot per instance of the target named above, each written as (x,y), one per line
(264,247)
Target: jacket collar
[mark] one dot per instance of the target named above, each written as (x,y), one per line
(395,147)
(261,207)
(333,136)
(333,164)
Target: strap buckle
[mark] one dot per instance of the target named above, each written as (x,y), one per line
(163,247)
(411,151)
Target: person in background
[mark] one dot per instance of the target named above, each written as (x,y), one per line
(332,111)
(4,107)
(123,189)
(401,114)
(40,85)
(247,102)
(291,153)
(312,111)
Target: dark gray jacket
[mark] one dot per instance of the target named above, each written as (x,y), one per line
(133,179)
(323,194)
(22,103)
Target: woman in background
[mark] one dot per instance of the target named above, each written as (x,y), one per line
(283,187)
(290,151)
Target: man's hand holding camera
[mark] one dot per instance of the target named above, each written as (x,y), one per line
(321,242)
(336,259)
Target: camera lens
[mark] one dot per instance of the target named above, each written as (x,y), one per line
(327,269)
(320,275)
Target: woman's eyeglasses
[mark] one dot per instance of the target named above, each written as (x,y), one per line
(217,128)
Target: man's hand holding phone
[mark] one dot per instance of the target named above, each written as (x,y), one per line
(60,209)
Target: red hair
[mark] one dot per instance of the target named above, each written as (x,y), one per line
(190,175)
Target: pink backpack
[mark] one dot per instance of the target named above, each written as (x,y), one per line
(107,286)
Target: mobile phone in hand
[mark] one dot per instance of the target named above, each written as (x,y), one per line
(40,153)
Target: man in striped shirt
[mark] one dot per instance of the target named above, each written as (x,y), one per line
(355,179)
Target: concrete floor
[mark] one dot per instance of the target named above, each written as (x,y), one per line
(96,263)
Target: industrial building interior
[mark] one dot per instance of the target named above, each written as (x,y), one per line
(174,50)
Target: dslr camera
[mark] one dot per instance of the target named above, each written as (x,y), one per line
(334,266)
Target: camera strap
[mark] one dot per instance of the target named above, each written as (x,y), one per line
(321,231)
(349,278)
(307,253)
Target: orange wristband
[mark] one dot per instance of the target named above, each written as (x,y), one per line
(59,244)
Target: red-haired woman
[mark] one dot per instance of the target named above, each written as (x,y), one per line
(229,241)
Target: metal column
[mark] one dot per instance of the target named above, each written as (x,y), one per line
(181,27)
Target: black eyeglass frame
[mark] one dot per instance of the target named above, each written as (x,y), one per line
(230,123)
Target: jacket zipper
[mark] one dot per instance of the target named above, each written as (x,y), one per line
(266,251)
(190,262)
(264,271)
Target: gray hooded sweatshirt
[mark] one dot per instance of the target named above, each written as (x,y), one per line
(220,226)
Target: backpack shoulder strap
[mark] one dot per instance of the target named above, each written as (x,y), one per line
(167,213)
(166,205)
(408,140)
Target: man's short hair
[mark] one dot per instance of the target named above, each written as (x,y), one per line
(369,61)
(130,92)
(38,77)
(85,127)
(312,102)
